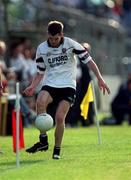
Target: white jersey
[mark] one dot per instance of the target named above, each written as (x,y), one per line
(59,64)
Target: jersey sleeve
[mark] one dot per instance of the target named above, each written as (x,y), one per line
(81,52)
(40,62)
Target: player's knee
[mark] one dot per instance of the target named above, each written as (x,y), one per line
(59,118)
(40,102)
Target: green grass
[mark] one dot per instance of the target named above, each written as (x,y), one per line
(82,157)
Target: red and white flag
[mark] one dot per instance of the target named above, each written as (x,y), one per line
(21,136)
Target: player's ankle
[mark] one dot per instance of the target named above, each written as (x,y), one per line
(56,153)
(43,138)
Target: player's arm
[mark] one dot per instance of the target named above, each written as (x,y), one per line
(36,80)
(29,91)
(92,65)
(85,58)
(40,69)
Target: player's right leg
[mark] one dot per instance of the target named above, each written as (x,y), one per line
(61,113)
(43,100)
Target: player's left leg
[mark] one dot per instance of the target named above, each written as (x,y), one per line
(61,113)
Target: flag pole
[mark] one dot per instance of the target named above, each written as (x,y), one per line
(96,114)
(17,124)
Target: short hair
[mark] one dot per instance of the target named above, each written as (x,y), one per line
(55,27)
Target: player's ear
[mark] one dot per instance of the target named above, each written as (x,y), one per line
(61,34)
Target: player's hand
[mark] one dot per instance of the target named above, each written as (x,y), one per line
(103,86)
(29,91)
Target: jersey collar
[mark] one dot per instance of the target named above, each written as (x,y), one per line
(61,42)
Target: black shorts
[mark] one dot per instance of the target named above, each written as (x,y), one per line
(59,94)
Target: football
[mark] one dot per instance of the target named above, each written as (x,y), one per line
(44,122)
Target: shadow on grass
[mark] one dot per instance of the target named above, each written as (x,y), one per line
(12,165)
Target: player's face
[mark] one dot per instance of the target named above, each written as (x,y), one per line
(55,40)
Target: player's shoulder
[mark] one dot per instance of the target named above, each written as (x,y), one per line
(43,47)
(68,41)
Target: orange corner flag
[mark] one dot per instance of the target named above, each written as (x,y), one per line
(85,102)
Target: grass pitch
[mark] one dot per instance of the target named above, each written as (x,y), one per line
(82,157)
